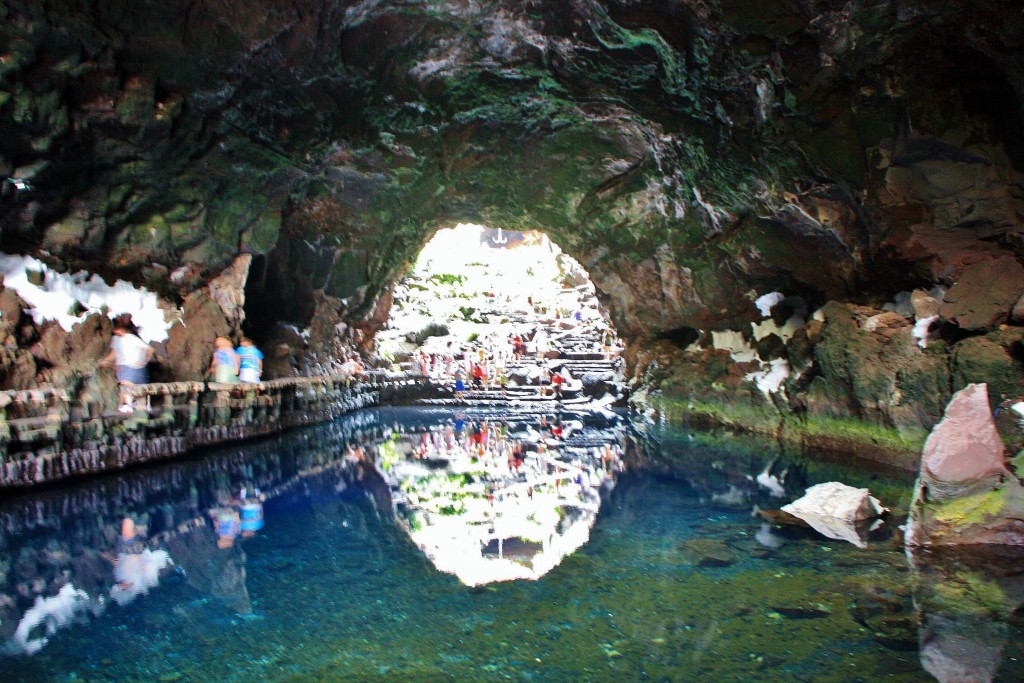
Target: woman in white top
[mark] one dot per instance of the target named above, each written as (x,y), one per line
(129,355)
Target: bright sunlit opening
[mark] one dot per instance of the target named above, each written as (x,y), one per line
(481,283)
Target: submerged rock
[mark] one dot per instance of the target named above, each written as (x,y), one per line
(803,611)
(780,517)
(707,552)
(886,612)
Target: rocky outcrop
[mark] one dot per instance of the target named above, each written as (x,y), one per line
(965,493)
(228,290)
(692,155)
(964,453)
(985,294)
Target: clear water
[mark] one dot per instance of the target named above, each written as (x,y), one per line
(676,584)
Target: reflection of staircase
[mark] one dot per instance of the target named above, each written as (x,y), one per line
(577,349)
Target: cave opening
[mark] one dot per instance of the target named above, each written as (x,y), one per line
(476,286)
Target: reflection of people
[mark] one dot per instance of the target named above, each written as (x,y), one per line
(129,355)
(224,364)
(227,524)
(136,568)
(250,361)
(251,518)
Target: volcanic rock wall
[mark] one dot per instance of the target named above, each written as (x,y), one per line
(861,158)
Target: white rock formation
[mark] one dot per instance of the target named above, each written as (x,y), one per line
(833,509)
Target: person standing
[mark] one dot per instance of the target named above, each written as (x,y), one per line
(460,385)
(250,361)
(224,365)
(129,355)
(556,382)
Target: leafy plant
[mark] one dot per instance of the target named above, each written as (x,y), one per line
(387,454)
(446,279)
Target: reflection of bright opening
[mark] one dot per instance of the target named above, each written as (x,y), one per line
(483,513)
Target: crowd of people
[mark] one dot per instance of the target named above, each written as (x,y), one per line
(487,363)
(533,455)
(477,365)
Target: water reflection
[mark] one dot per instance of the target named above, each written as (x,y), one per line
(490,499)
(136,567)
(673,584)
(69,553)
(966,603)
(483,497)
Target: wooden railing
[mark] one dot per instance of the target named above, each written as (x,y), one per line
(45,435)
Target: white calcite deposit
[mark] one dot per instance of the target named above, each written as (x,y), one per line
(57,295)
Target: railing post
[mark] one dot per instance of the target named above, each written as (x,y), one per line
(193,405)
(221,403)
(5,429)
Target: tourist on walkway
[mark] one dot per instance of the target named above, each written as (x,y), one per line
(224,365)
(250,361)
(460,385)
(556,382)
(607,340)
(129,355)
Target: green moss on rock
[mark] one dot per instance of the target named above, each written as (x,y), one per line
(987,359)
(973,509)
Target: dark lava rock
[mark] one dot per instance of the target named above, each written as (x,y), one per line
(153,145)
(781,518)
(707,552)
(771,346)
(802,611)
(431,330)
(985,294)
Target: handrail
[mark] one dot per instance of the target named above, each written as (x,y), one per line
(45,435)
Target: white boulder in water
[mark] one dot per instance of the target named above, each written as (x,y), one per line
(834,509)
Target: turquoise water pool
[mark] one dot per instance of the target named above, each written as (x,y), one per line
(677,583)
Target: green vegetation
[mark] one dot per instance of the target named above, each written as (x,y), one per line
(1017,463)
(905,445)
(443,494)
(387,454)
(973,509)
(870,441)
(439,279)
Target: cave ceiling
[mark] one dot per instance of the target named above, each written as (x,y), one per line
(690,154)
